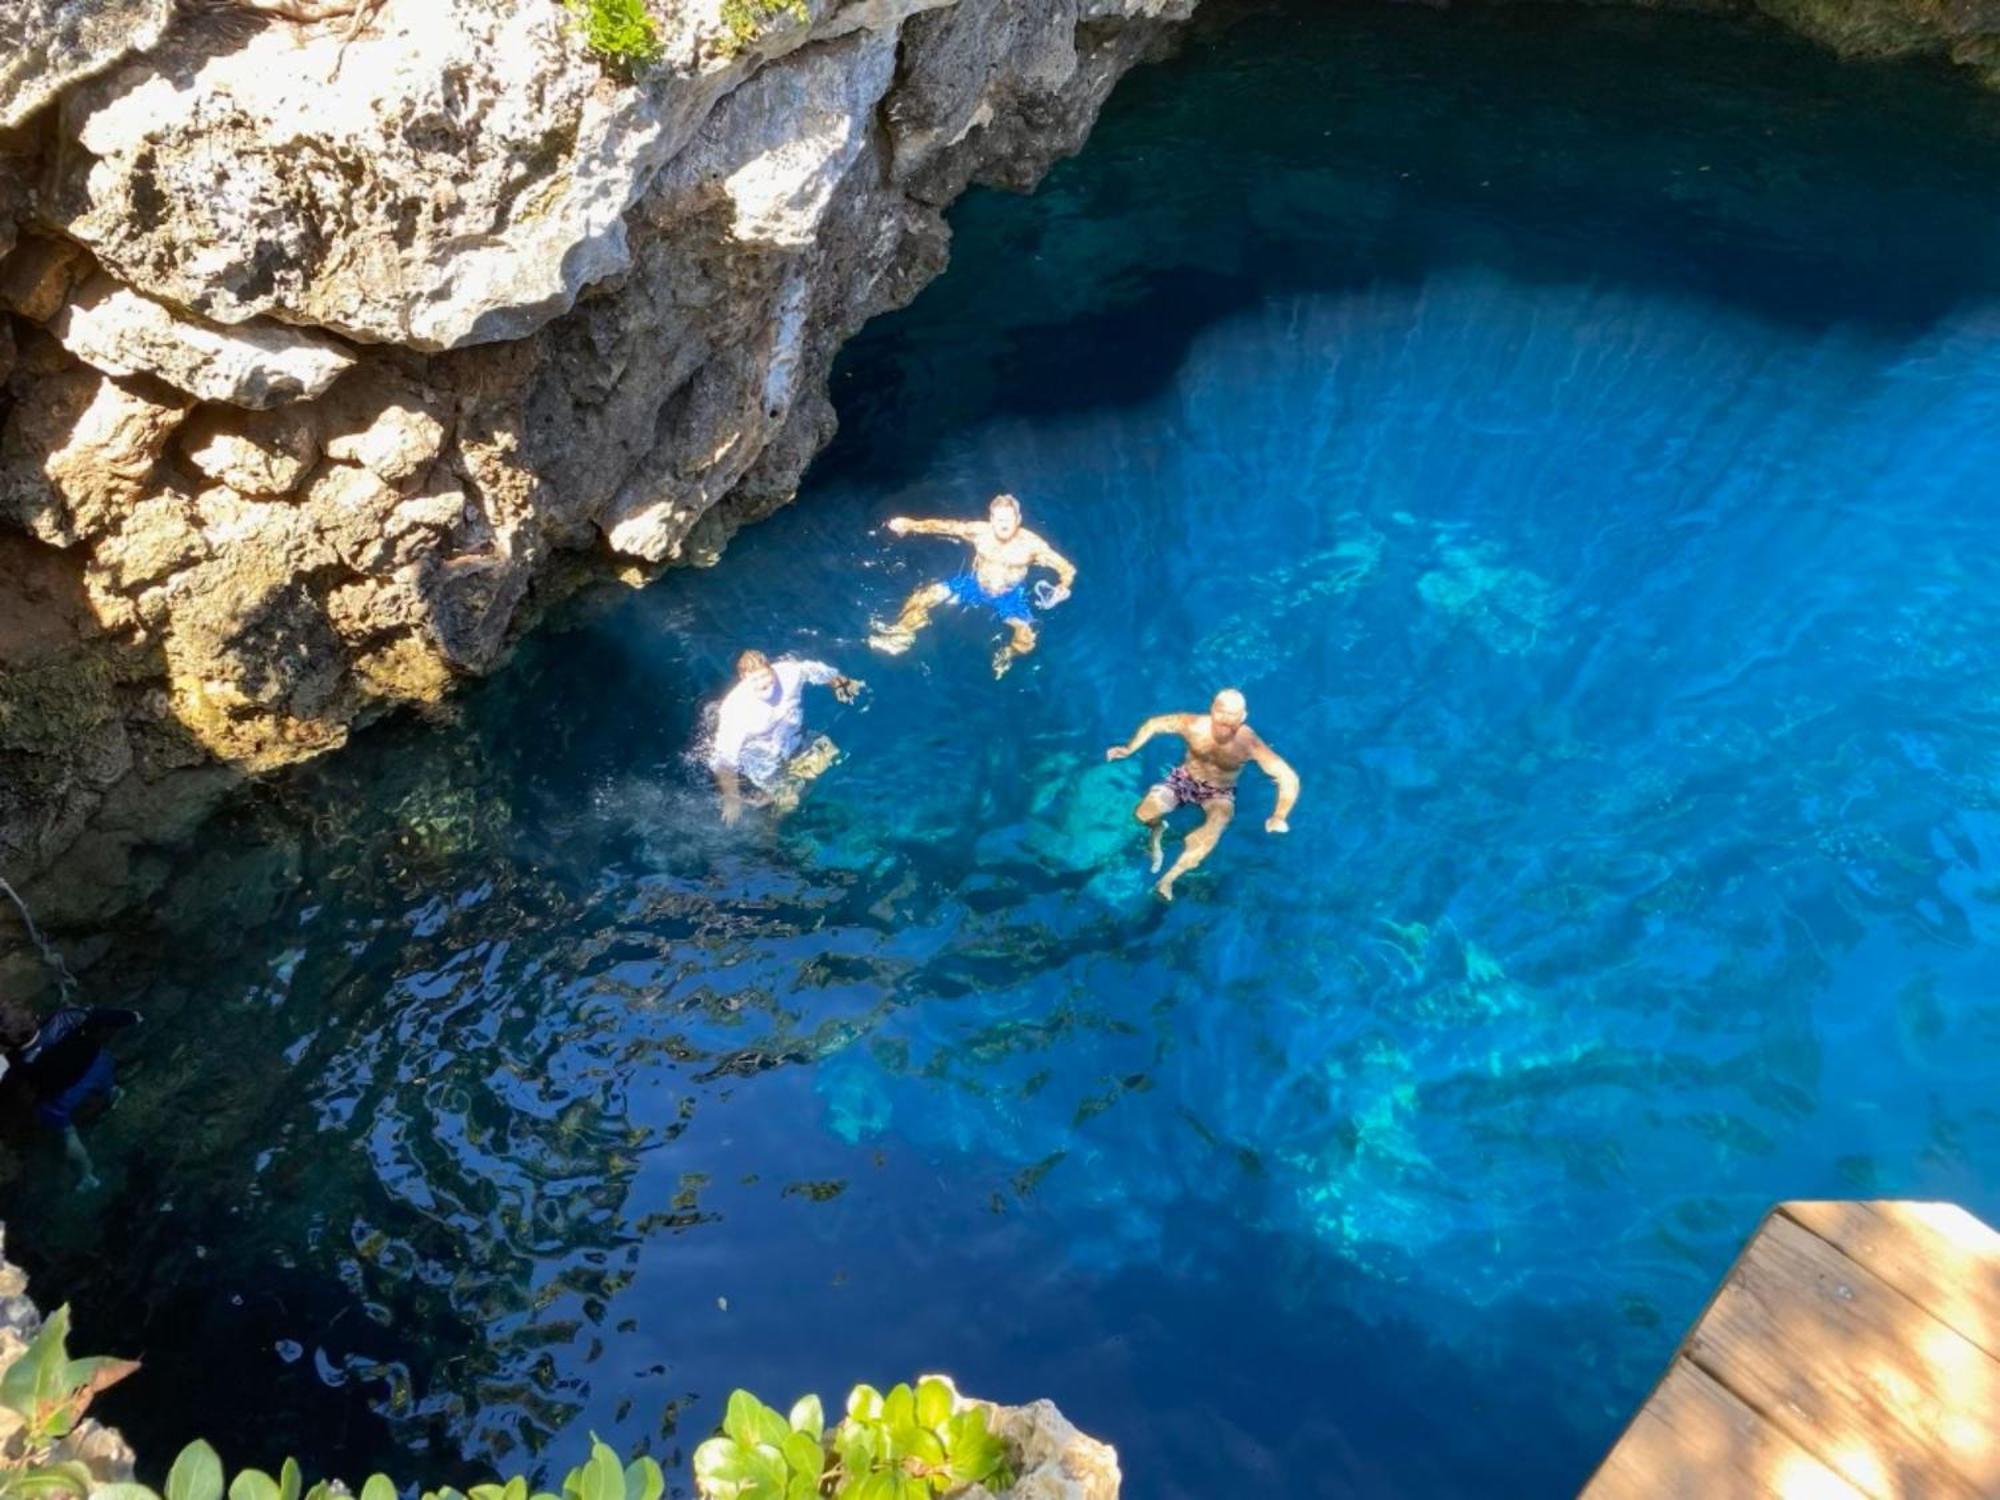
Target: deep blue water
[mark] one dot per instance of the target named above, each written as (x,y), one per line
(1573,430)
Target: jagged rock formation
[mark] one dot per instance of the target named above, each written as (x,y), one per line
(323,340)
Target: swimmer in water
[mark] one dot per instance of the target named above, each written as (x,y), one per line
(1003,550)
(59,1072)
(759,727)
(1219,744)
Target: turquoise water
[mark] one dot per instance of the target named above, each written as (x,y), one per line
(1573,431)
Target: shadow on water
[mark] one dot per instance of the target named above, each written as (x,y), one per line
(1606,538)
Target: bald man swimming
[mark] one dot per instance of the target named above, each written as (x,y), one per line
(1220,743)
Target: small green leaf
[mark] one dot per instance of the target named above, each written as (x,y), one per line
(809,1417)
(603,1475)
(517,1488)
(290,1480)
(864,1404)
(643,1481)
(49,1480)
(253,1484)
(933,1403)
(880,1486)
(718,1458)
(378,1487)
(123,1492)
(803,1454)
(34,1381)
(196,1474)
(486,1492)
(899,1407)
(323,1491)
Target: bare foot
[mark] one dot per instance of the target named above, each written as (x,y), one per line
(892,642)
(1165,889)
(1159,855)
(1002,660)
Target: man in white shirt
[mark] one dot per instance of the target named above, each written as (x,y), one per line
(760,724)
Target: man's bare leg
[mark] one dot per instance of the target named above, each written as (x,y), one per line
(1152,811)
(897,638)
(1020,644)
(1198,845)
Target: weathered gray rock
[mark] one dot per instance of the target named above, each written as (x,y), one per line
(48,45)
(386,424)
(35,280)
(256,364)
(262,454)
(79,450)
(1057,1462)
(456,173)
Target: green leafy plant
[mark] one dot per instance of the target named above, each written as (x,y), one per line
(49,1392)
(619,31)
(907,1445)
(912,1444)
(745,20)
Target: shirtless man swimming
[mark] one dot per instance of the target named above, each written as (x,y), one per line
(1003,550)
(1219,744)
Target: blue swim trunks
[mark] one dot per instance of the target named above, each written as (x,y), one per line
(96,1081)
(1012,605)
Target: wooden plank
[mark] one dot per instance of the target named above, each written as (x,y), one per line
(1936,1254)
(1895,1401)
(1695,1439)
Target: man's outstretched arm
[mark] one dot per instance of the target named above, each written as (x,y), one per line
(1279,770)
(1158,724)
(1056,563)
(904,526)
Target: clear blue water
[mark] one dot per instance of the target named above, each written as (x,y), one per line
(1574,431)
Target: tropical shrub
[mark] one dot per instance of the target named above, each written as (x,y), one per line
(49,1392)
(619,31)
(908,1445)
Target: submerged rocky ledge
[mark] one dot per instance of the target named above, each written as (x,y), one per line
(333,327)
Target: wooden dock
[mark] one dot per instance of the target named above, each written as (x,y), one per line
(1852,1353)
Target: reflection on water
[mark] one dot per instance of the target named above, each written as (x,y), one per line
(1598,516)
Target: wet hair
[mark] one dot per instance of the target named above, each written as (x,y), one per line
(1010,501)
(751,661)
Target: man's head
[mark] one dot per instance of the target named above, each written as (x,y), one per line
(1227,713)
(755,667)
(1004,516)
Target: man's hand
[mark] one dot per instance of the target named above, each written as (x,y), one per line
(1058,595)
(847,689)
(899,525)
(732,811)
(1276,825)
(1118,752)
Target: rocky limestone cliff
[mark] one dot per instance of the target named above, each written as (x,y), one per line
(330,325)
(329,329)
